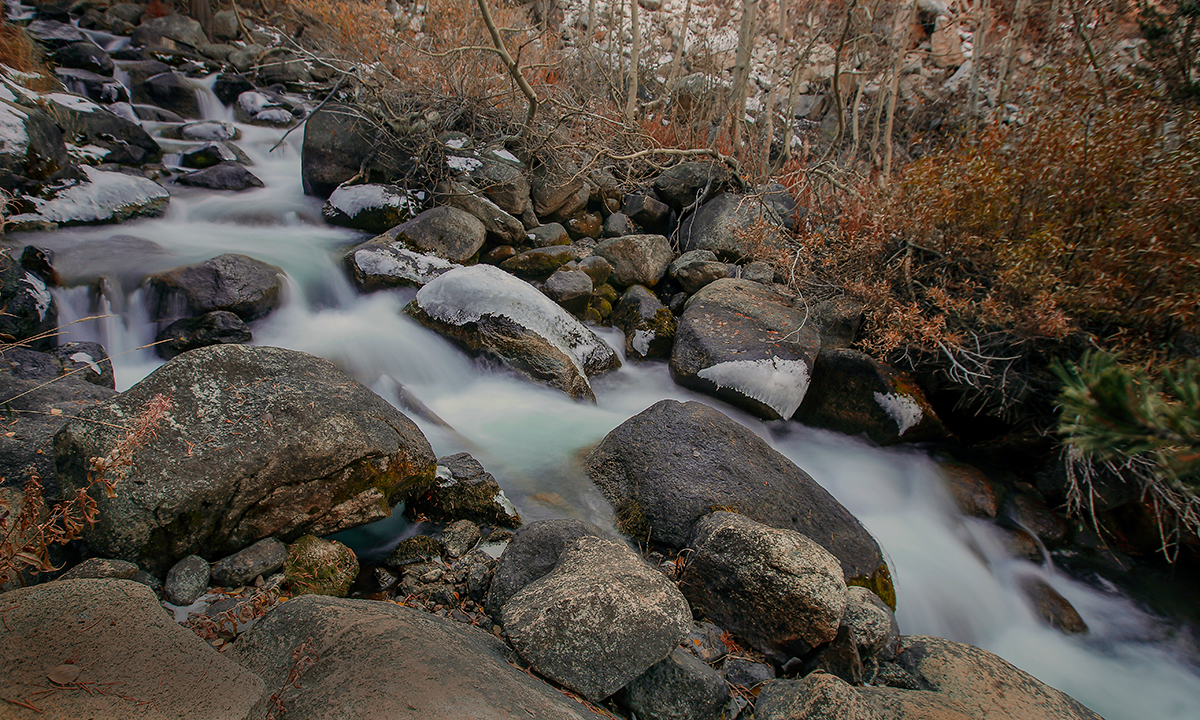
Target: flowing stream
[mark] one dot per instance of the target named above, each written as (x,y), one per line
(953,579)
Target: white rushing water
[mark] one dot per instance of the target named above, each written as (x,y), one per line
(953,579)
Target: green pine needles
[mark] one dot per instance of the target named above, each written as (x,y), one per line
(1141,428)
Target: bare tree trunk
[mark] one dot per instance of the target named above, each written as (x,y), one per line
(680,47)
(776,78)
(741,68)
(793,89)
(1009,51)
(982,20)
(513,69)
(906,15)
(839,104)
(201,12)
(635,53)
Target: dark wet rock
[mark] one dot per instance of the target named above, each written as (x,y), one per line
(648,325)
(459,538)
(171,91)
(852,393)
(704,641)
(156,114)
(871,623)
(257,442)
(600,619)
(100,88)
(86,123)
(446,232)
(547,235)
(30,312)
(210,154)
(186,580)
(971,489)
(238,284)
(465,491)
(157,31)
(746,344)
(35,153)
(637,259)
(673,463)
(541,262)
(84,56)
(681,185)
(678,687)
(260,559)
(129,12)
(432,659)
(379,264)
(500,226)
(371,208)
(532,553)
(280,66)
(228,86)
(130,645)
(745,673)
(337,141)
(838,321)
(86,360)
(1051,607)
(98,568)
(583,224)
(730,225)
(1033,515)
(217,327)
(839,657)
(697,268)
(55,34)
(572,289)
(776,589)
(597,268)
(648,212)
(486,310)
(319,567)
(224,176)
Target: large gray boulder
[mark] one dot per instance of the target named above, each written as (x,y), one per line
(501,226)
(113,635)
(819,696)
(33,149)
(531,554)
(678,687)
(673,463)
(744,343)
(776,589)
(600,619)
(444,231)
(86,123)
(486,310)
(338,139)
(178,28)
(731,226)
(376,660)
(502,181)
(98,197)
(238,284)
(637,259)
(257,442)
(371,207)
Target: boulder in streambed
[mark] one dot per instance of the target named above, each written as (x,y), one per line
(488,311)
(670,465)
(84,122)
(853,393)
(223,176)
(531,553)
(465,491)
(368,659)
(637,259)
(238,284)
(598,620)
(30,313)
(371,208)
(339,143)
(114,634)
(101,197)
(745,343)
(649,325)
(444,231)
(257,442)
(776,589)
(379,264)
(32,150)
(500,226)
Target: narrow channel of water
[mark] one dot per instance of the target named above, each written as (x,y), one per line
(953,578)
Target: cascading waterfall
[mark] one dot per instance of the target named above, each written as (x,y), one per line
(952,575)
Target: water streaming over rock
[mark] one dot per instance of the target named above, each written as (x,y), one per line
(952,575)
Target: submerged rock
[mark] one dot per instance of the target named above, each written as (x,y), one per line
(486,310)
(257,442)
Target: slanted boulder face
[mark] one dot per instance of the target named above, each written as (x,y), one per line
(435,669)
(217,327)
(257,442)
(33,148)
(541,262)
(118,637)
(444,231)
(600,619)
(532,553)
(696,268)
(379,264)
(852,393)
(637,259)
(29,309)
(486,310)
(170,91)
(746,344)
(223,176)
(553,185)
(775,588)
(730,225)
(649,325)
(102,197)
(177,28)
(501,227)
(668,466)
(371,207)
(502,182)
(238,284)
(465,491)
(678,686)
(337,139)
(680,186)
(821,696)
(85,122)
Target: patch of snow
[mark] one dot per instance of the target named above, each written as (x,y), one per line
(13,138)
(72,102)
(212,130)
(402,263)
(467,294)
(353,199)
(904,409)
(106,196)
(506,155)
(253,102)
(182,612)
(779,384)
(463,164)
(444,476)
(86,359)
(275,116)
(456,143)
(39,291)
(641,340)
(125,110)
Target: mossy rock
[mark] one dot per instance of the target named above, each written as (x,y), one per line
(414,550)
(320,567)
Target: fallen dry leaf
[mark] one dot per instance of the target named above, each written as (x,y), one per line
(64,674)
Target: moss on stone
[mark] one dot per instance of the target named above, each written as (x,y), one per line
(880,583)
(320,567)
(414,549)
(631,519)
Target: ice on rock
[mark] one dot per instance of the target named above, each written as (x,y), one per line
(72,102)
(106,197)
(463,164)
(402,263)
(353,199)
(253,102)
(904,409)
(641,340)
(86,359)
(779,384)
(39,291)
(13,138)
(467,294)
(506,155)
